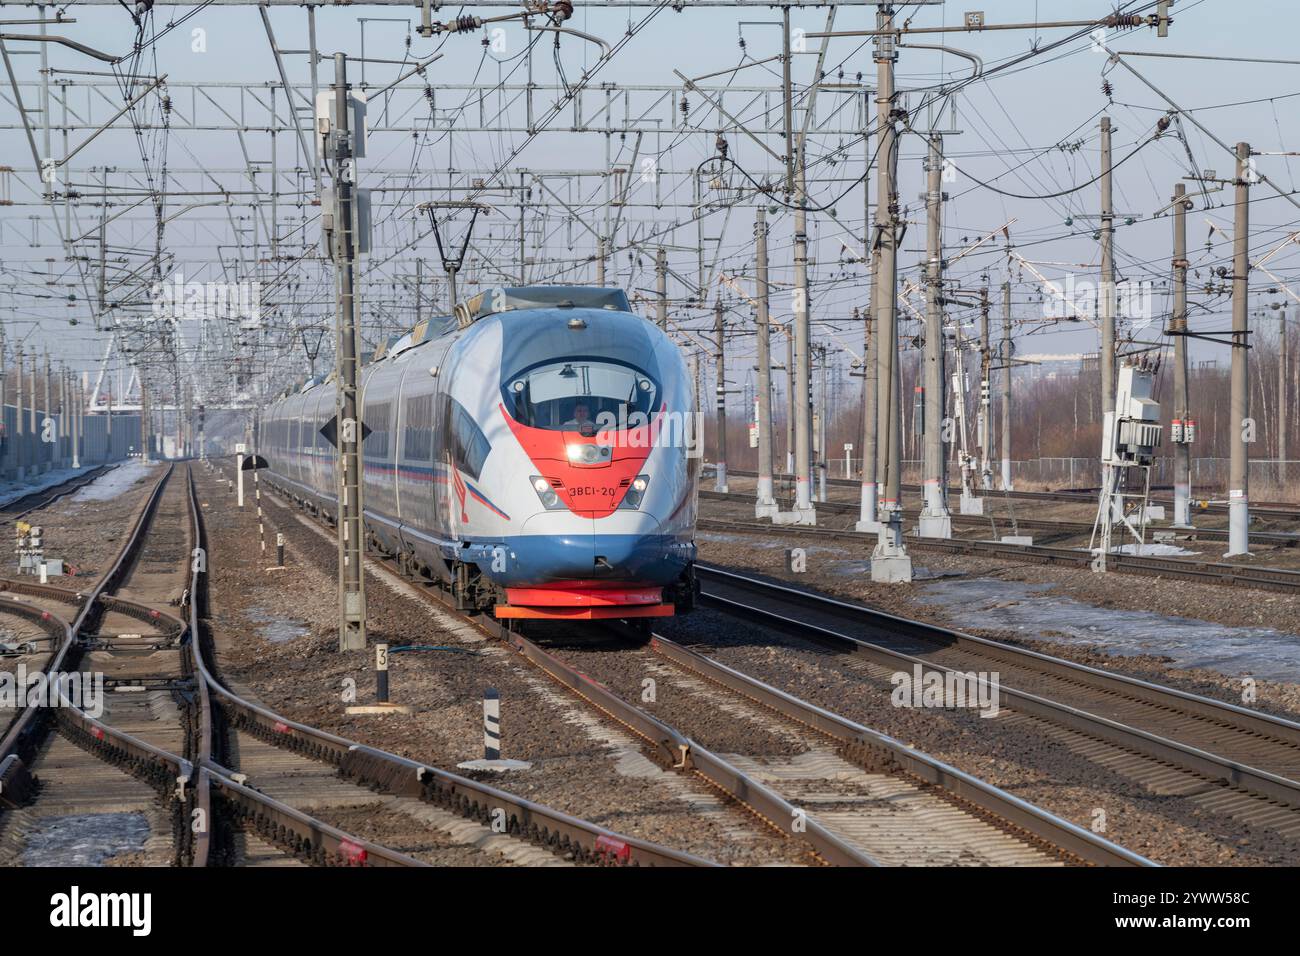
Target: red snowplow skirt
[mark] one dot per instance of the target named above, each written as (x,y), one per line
(584,603)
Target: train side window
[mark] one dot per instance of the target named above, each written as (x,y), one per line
(377,418)
(417,442)
(469,446)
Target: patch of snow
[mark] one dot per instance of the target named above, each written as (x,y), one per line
(1024,609)
(1152,550)
(108,486)
(12,490)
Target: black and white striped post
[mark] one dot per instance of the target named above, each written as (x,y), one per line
(381,673)
(261,524)
(491,724)
(492,739)
(279,549)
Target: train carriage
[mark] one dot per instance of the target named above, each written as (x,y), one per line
(536,452)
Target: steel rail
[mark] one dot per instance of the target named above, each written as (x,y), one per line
(1210,765)
(674,749)
(1209,572)
(390,773)
(685,754)
(1287,539)
(1250,721)
(24,730)
(45,497)
(300,833)
(681,752)
(167,771)
(1269,510)
(869,746)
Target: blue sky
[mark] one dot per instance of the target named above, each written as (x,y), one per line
(1010,121)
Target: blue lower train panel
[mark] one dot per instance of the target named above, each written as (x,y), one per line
(623,558)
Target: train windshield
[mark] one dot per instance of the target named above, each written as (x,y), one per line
(581,395)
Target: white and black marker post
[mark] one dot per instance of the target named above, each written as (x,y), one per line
(492,739)
(491,724)
(381,705)
(381,673)
(279,549)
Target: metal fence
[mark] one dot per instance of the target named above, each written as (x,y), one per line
(36,455)
(1208,474)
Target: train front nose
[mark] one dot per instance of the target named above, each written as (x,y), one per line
(624,548)
(571,567)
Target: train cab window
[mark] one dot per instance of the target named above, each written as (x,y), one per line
(580,395)
(466,442)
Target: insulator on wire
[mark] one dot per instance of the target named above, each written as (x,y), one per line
(462,24)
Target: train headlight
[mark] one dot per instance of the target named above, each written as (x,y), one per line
(546,494)
(635,492)
(585,454)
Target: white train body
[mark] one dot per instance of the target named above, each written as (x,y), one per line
(537,455)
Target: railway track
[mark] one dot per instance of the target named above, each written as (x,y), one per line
(1052,526)
(128,777)
(21,507)
(1221,756)
(253,726)
(1206,572)
(894,802)
(842,802)
(1276,510)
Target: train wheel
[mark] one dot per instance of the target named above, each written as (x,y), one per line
(638,629)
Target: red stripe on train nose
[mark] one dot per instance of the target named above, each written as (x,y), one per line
(594,490)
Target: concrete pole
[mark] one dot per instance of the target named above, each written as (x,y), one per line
(1004,446)
(146,438)
(4,400)
(20,466)
(108,425)
(890,561)
(351,542)
(765,503)
(935,519)
(695,377)
(78,403)
(789,399)
(600,261)
(1106,293)
(37,465)
(1281,395)
(419,295)
(870,494)
(869,501)
(985,414)
(47,421)
(720,390)
(822,453)
(804,512)
(63,418)
(1238,480)
(1178,325)
(661,286)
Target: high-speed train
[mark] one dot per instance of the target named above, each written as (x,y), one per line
(536,452)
